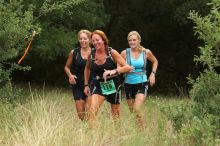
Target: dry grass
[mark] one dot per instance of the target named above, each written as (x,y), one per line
(49,118)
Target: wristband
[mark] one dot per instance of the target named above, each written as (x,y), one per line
(86,85)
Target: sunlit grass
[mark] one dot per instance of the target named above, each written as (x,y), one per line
(48,118)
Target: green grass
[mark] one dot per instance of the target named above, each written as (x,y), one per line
(48,118)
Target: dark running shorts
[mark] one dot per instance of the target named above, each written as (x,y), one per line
(132,89)
(114,98)
(78,92)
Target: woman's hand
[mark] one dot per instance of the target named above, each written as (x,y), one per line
(72,80)
(87,90)
(109,73)
(152,79)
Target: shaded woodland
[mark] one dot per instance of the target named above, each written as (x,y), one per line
(163,25)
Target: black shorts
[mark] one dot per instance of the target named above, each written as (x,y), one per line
(114,98)
(132,89)
(78,92)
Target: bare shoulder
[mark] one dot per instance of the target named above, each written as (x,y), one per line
(114,52)
(147,51)
(123,54)
(72,51)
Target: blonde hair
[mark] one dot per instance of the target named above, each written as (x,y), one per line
(102,34)
(141,48)
(87,32)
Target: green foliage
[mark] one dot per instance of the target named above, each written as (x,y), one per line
(179,113)
(15,25)
(208,29)
(60,22)
(201,123)
(206,91)
(206,87)
(192,124)
(73,15)
(52,43)
(200,131)
(182,9)
(7,117)
(6,91)
(49,6)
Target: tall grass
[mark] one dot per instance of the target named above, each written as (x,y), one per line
(48,118)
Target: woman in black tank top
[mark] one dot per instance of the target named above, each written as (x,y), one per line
(101,67)
(74,69)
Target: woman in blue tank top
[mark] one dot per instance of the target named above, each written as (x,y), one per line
(74,69)
(101,65)
(136,82)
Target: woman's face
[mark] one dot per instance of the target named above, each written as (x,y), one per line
(133,41)
(84,40)
(97,41)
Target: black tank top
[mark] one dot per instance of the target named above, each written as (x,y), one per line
(98,70)
(78,66)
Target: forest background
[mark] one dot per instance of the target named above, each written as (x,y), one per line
(164,27)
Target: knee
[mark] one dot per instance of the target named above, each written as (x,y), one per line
(138,111)
(92,110)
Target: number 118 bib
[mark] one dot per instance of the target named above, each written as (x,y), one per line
(108,87)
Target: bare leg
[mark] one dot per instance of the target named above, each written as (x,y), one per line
(87,104)
(139,101)
(80,108)
(94,103)
(115,109)
(130,104)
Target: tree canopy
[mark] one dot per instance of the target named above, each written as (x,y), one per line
(164,27)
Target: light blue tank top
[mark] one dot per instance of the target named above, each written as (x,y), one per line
(135,78)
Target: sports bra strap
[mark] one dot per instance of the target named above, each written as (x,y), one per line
(128,60)
(92,56)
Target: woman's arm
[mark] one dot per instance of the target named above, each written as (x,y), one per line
(123,54)
(67,68)
(120,60)
(154,62)
(122,66)
(86,76)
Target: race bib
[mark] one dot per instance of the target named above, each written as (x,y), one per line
(108,87)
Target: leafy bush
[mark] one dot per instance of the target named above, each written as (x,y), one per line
(205,89)
(179,113)
(15,24)
(200,122)
(199,131)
